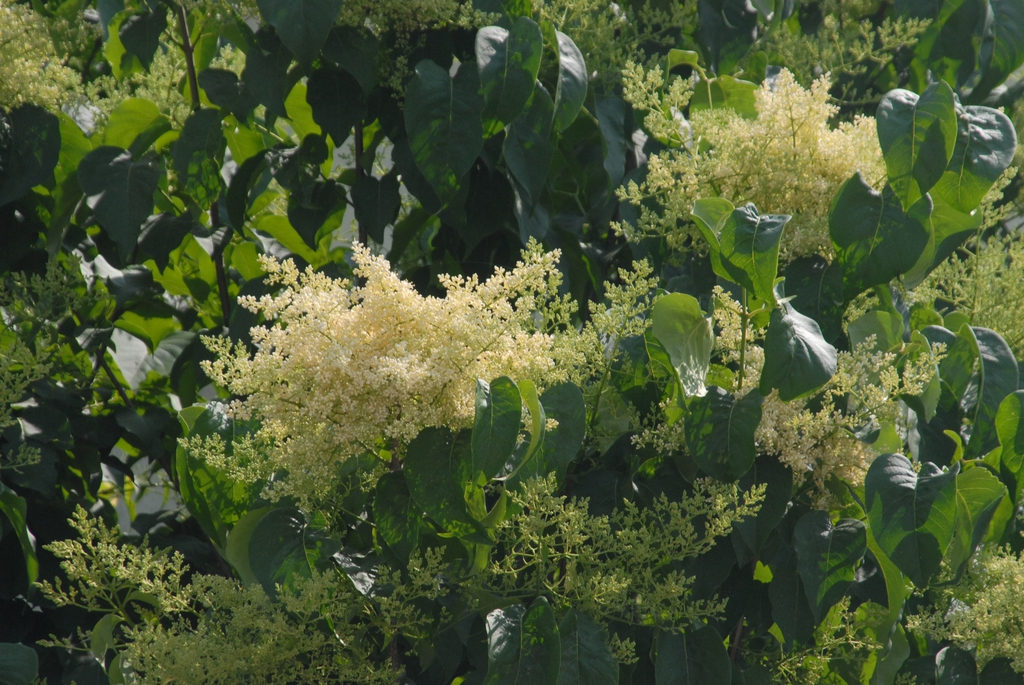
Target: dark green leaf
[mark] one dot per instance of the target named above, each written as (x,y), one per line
(16,509)
(912,516)
(508,63)
(947,229)
(616,118)
(696,657)
(984,149)
(284,547)
(1010,429)
(307,213)
(33,152)
(816,287)
(163,233)
(120,192)
(397,517)
(955,666)
(679,325)
(140,34)
(226,91)
(499,415)
(376,202)
(754,532)
(895,584)
(337,101)
(18,664)
(790,609)
(303,25)
(438,467)
(827,557)
(563,403)
(719,432)
(355,51)
(1007,47)
(198,153)
(240,192)
(917,135)
(997,378)
(266,76)
(586,659)
(527,147)
(442,118)
(237,550)
(797,360)
(572,82)
(744,244)
(523,645)
(979,494)
(875,240)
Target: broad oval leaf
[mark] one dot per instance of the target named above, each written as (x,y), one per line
(136,123)
(997,377)
(797,360)
(285,546)
(947,228)
(33,152)
(442,119)
(563,403)
(572,82)
(695,657)
(527,147)
(917,135)
(508,62)
(725,91)
(912,516)
(1010,429)
(719,432)
(376,202)
(19,664)
(198,153)
(396,515)
(875,240)
(337,101)
(744,244)
(499,416)
(679,325)
(827,557)
(523,645)
(985,145)
(586,658)
(1007,47)
(355,50)
(303,25)
(120,192)
(979,494)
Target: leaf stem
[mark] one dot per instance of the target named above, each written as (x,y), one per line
(744,316)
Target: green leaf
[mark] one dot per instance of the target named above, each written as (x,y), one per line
(797,360)
(284,547)
(523,645)
(978,494)
(947,229)
(586,658)
(442,119)
(827,557)
(198,153)
(140,34)
(508,62)
(527,146)
(895,584)
(499,415)
(266,76)
(15,508)
(303,25)
(912,516)
(162,234)
(571,90)
(875,240)
(696,657)
(19,664)
(33,153)
(1010,429)
(790,609)
(755,531)
(725,92)
(354,50)
(438,469)
(1007,47)
(225,90)
(886,326)
(309,210)
(397,517)
(337,101)
(245,186)
(719,432)
(679,325)
(563,403)
(376,202)
(236,552)
(917,135)
(211,496)
(997,377)
(101,638)
(135,124)
(744,244)
(120,192)
(984,149)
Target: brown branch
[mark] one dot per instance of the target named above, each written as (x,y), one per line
(101,360)
(190,63)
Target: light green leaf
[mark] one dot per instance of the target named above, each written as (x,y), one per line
(523,645)
(985,145)
(499,415)
(797,360)
(679,325)
(508,62)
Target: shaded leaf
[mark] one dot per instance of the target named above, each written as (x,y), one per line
(376,202)
(395,514)
(303,25)
(33,152)
(120,192)
(508,62)
(827,557)
(499,415)
(695,657)
(523,645)
(719,432)
(797,360)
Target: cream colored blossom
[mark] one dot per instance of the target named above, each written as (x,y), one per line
(30,68)
(788,160)
(346,370)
